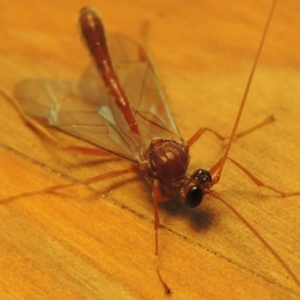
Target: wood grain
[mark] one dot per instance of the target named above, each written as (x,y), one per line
(98,243)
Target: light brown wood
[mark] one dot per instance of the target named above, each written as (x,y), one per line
(84,244)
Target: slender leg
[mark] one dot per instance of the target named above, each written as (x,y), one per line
(202,130)
(266,121)
(84,150)
(260,183)
(158,197)
(62,186)
(255,232)
(254,179)
(199,133)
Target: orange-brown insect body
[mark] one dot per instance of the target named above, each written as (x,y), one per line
(144,127)
(164,160)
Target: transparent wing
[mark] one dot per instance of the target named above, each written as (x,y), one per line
(84,109)
(64,106)
(138,79)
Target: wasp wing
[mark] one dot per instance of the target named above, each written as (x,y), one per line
(141,85)
(86,110)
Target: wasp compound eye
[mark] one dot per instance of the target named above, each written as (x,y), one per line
(194,196)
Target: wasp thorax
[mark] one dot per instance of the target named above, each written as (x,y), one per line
(168,160)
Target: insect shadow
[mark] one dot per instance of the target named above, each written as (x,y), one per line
(200,219)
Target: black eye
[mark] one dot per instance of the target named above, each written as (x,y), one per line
(194,196)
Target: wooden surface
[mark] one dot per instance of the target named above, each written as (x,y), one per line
(84,244)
